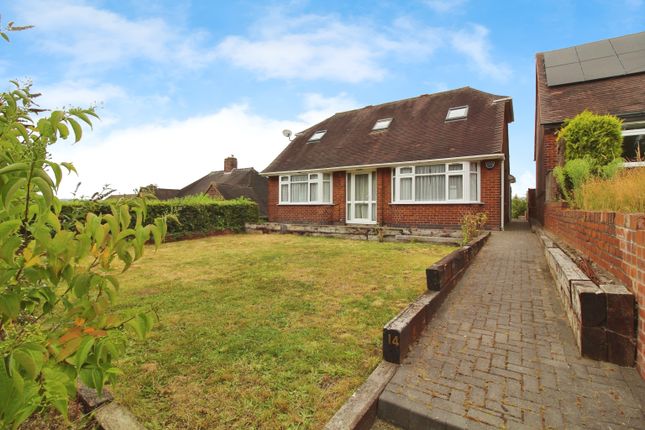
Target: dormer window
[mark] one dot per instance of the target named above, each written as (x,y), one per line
(460,112)
(382,124)
(317,136)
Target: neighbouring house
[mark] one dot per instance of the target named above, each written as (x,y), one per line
(419,162)
(229,183)
(607,76)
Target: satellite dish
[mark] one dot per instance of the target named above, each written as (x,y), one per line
(287,133)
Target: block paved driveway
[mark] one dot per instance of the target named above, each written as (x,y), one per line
(499,353)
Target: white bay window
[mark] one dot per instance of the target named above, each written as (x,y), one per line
(436,183)
(305,188)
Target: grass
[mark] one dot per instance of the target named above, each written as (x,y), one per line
(262,331)
(622,193)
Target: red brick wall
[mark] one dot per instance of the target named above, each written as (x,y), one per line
(313,214)
(547,157)
(439,215)
(615,242)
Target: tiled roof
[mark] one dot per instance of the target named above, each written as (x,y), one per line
(419,131)
(236,183)
(620,95)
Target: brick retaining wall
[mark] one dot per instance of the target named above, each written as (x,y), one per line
(615,242)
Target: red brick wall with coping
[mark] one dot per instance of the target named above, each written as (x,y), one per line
(615,242)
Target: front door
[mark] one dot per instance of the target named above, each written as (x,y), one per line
(361,197)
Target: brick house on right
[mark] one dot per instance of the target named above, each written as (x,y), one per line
(607,76)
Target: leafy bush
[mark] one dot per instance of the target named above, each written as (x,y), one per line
(571,176)
(471,225)
(57,283)
(624,192)
(595,138)
(194,214)
(519,206)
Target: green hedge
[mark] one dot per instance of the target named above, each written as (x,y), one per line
(195,217)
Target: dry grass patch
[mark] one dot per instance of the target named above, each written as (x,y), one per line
(262,331)
(625,192)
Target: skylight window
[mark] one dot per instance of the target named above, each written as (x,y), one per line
(382,124)
(317,135)
(457,113)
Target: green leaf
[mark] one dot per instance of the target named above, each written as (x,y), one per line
(58,173)
(10,305)
(4,36)
(8,227)
(14,168)
(69,166)
(45,189)
(11,191)
(26,361)
(63,130)
(78,131)
(83,352)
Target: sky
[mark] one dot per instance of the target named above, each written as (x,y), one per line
(180,85)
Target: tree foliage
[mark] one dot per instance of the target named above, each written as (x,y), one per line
(595,138)
(519,206)
(57,283)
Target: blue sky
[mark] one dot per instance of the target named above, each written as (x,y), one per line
(182,84)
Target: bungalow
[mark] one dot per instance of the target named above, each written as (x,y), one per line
(419,162)
(606,76)
(230,183)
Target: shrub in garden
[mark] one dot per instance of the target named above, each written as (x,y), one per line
(471,225)
(519,206)
(57,283)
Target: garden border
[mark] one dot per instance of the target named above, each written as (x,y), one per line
(404,329)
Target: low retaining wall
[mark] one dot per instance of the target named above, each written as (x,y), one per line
(377,233)
(601,316)
(405,328)
(612,240)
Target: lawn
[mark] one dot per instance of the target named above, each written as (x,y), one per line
(262,331)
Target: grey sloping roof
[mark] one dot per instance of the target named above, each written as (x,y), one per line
(245,182)
(419,131)
(617,56)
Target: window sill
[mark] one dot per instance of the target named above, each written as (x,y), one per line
(456,202)
(306,204)
(633,164)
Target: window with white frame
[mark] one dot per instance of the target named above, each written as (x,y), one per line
(436,183)
(305,188)
(633,141)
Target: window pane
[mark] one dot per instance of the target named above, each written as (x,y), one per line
(406,189)
(422,188)
(405,170)
(360,210)
(326,177)
(284,193)
(420,170)
(455,166)
(361,182)
(327,192)
(455,187)
(473,187)
(313,176)
(633,146)
(313,191)
(299,192)
(438,168)
(298,178)
(438,188)
(473,167)
(373,186)
(373,217)
(284,178)
(349,186)
(349,212)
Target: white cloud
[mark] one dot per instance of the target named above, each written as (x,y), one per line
(311,47)
(442,6)
(174,154)
(78,93)
(318,107)
(474,44)
(92,36)
(525,181)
